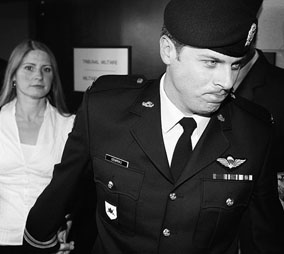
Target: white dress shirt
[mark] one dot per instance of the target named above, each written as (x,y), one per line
(172,130)
(25,170)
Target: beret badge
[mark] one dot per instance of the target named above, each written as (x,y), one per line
(251,34)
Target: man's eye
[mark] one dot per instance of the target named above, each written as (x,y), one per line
(211,63)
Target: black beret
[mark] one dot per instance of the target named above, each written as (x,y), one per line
(225,26)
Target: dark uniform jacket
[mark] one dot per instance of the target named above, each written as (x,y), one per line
(264,85)
(140,209)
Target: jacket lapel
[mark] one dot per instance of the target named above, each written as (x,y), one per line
(210,146)
(147,131)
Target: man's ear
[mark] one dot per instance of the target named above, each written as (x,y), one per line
(167,49)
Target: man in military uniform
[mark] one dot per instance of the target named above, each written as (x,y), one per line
(149,198)
(263,83)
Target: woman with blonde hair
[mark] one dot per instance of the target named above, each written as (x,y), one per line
(34,126)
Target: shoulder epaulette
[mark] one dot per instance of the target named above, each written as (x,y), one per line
(254,109)
(109,82)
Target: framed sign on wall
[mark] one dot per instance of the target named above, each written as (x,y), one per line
(91,63)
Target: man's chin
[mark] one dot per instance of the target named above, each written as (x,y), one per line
(208,111)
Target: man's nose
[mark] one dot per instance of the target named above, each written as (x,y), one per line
(226,78)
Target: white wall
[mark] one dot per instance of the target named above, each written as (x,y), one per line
(271,29)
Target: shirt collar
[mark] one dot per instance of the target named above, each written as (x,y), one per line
(171,115)
(10,107)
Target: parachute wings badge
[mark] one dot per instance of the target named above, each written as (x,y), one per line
(230,162)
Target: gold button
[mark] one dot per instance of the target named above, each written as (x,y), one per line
(173,196)
(140,80)
(166,232)
(110,184)
(230,202)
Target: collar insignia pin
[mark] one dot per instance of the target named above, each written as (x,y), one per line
(230,162)
(221,118)
(148,104)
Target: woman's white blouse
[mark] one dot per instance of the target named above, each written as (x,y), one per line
(26,170)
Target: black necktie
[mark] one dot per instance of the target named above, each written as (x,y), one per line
(183,147)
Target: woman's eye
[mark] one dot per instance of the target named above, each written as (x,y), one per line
(47,69)
(29,68)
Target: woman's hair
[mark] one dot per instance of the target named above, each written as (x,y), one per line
(8,92)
